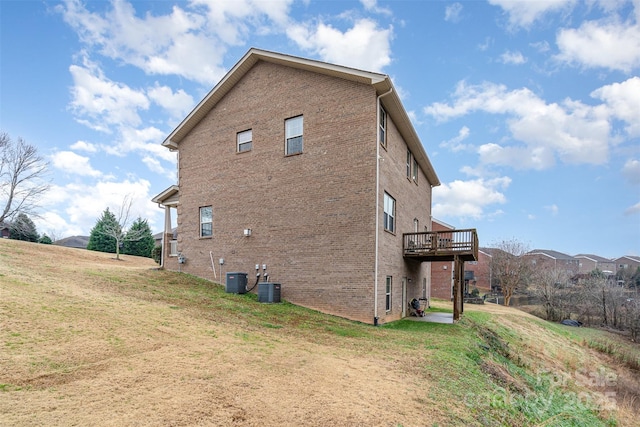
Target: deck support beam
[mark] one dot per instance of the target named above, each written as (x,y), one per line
(458,287)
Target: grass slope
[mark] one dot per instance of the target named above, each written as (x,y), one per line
(89,340)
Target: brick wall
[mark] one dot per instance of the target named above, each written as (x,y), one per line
(312,215)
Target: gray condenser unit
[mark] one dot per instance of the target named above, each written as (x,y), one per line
(236,283)
(269,292)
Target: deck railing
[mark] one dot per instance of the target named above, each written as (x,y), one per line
(433,245)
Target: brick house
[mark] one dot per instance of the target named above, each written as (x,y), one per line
(315,171)
(590,262)
(441,271)
(627,262)
(544,258)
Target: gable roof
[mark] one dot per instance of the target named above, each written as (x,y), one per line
(629,257)
(550,254)
(594,258)
(168,197)
(381,82)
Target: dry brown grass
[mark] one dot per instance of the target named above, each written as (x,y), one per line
(89,340)
(78,348)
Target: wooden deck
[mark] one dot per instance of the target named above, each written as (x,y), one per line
(441,245)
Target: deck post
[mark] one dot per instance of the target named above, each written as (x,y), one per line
(458,282)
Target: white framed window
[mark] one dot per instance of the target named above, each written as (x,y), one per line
(415,170)
(408,164)
(206,221)
(387,300)
(383,126)
(293,135)
(244,140)
(389,213)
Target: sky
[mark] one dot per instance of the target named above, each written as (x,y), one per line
(528,110)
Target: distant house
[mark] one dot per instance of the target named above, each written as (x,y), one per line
(553,259)
(4,230)
(79,242)
(590,262)
(627,262)
(314,171)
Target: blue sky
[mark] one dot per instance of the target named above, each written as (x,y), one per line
(528,110)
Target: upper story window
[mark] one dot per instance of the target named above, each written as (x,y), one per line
(383,127)
(206,221)
(389,213)
(293,135)
(408,164)
(244,140)
(415,170)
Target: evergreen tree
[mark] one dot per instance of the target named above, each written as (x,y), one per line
(138,240)
(99,240)
(23,229)
(46,239)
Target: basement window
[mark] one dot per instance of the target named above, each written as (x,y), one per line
(206,221)
(387,302)
(244,140)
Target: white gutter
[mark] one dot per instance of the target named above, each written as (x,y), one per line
(375,279)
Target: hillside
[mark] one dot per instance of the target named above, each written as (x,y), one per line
(89,340)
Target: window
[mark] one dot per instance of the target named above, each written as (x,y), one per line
(415,170)
(408,164)
(387,303)
(293,135)
(383,127)
(206,221)
(389,213)
(244,140)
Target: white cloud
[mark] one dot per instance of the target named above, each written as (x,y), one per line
(631,171)
(452,12)
(623,103)
(73,163)
(633,210)
(176,43)
(469,199)
(146,141)
(570,131)
(100,102)
(553,209)
(515,58)
(155,166)
(83,203)
(84,146)
(455,144)
(364,45)
(178,103)
(373,6)
(612,45)
(525,13)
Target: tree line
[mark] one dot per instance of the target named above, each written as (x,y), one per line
(593,299)
(23,180)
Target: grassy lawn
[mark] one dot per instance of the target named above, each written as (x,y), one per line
(88,340)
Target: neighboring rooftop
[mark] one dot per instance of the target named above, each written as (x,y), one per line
(79,242)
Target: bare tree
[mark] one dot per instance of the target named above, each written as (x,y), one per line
(22,173)
(118,229)
(551,286)
(509,268)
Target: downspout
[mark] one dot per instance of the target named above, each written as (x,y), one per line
(375,279)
